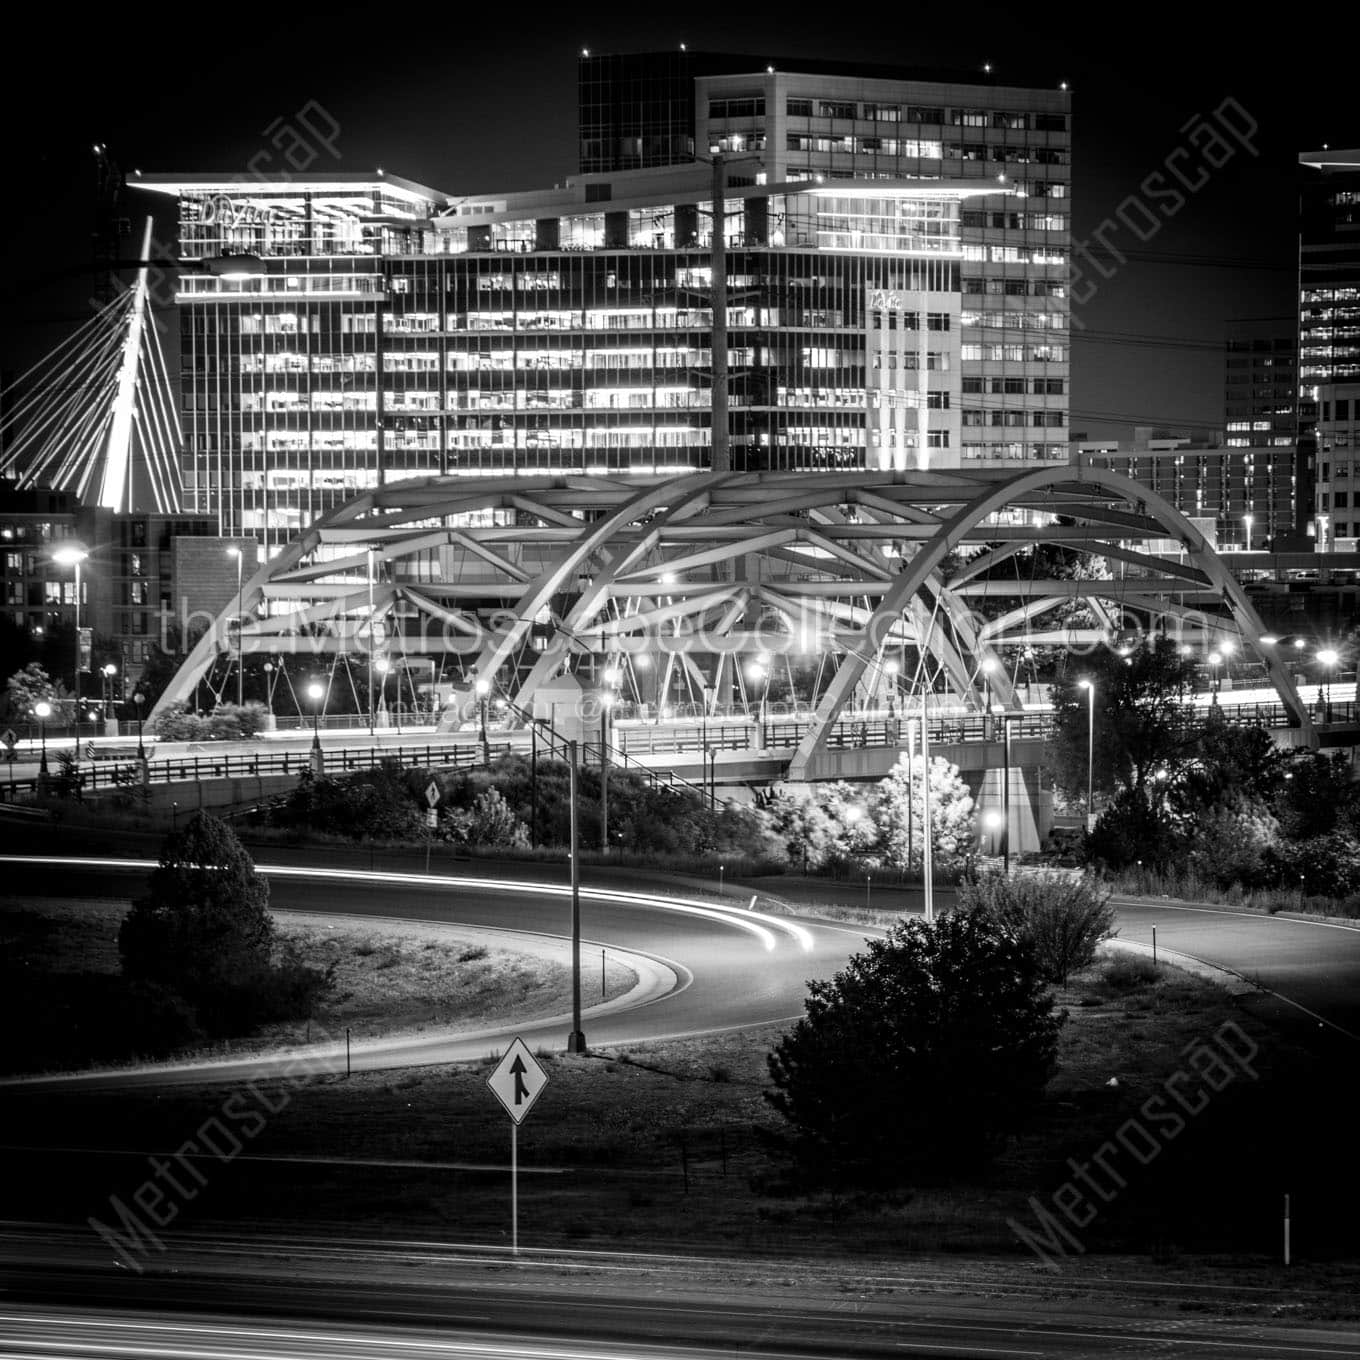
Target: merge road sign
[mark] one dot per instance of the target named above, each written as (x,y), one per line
(518,1080)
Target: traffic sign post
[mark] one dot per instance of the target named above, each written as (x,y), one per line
(517,1082)
(11,738)
(432,796)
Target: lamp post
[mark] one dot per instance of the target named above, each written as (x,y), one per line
(370,550)
(108,671)
(316,692)
(1090,687)
(1006,794)
(606,702)
(576,1040)
(383,667)
(72,555)
(42,710)
(483,688)
(1215,660)
(139,699)
(1247,521)
(240,641)
(1328,656)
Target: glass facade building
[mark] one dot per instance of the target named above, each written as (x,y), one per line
(895,305)
(1329,268)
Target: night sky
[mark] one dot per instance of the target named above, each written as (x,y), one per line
(466,105)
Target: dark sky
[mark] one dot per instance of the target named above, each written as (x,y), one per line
(467,104)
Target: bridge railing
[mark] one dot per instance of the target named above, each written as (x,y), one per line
(249,765)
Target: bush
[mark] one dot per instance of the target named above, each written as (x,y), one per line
(1233,845)
(376,804)
(489,822)
(261,994)
(176,722)
(204,916)
(922,1055)
(1132,830)
(1324,866)
(232,722)
(1127,971)
(1060,917)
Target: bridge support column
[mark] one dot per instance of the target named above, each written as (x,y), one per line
(1031,808)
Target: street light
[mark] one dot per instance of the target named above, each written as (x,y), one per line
(1248,520)
(891,669)
(139,699)
(1215,660)
(606,702)
(1090,687)
(108,671)
(240,641)
(992,820)
(1328,656)
(72,555)
(42,710)
(316,692)
(483,688)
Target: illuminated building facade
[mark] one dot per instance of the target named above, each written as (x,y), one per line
(896,305)
(1223,489)
(1329,268)
(1261,388)
(793,119)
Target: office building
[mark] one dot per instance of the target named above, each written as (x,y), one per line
(1329,268)
(141,571)
(1230,492)
(896,300)
(1261,388)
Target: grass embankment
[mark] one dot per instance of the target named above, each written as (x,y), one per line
(60,975)
(663,1146)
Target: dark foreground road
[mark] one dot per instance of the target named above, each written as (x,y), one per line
(231,1299)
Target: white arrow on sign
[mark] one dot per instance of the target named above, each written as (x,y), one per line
(518,1080)
(432,794)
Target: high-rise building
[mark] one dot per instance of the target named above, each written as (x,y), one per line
(1329,268)
(1238,496)
(1261,388)
(905,307)
(792,119)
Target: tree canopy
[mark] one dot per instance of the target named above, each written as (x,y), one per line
(925,1053)
(1137,735)
(204,916)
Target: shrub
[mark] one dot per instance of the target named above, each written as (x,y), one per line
(232,722)
(373,804)
(489,822)
(1324,866)
(176,722)
(924,1054)
(204,914)
(1232,845)
(1133,829)
(1060,917)
(1127,971)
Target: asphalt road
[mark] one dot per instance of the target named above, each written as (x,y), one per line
(733,967)
(227,1299)
(1311,966)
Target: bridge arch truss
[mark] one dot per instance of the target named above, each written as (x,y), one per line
(692,583)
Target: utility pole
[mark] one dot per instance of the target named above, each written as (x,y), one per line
(722,450)
(576,1040)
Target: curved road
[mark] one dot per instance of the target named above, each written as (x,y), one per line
(734,967)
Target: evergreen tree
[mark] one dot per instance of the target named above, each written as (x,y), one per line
(925,1053)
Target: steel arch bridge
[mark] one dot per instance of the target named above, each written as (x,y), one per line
(692,578)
